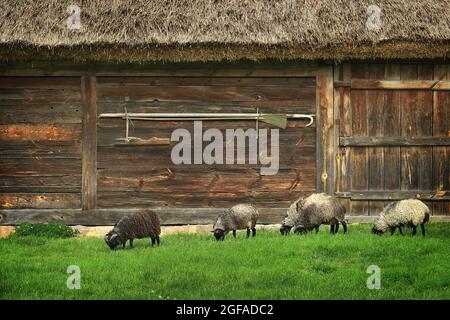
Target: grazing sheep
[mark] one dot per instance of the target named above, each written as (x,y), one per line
(142,224)
(241,216)
(291,218)
(318,209)
(405,213)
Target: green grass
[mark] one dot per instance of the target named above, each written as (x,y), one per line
(194,266)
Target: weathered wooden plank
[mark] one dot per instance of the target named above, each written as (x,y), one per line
(441,126)
(325,162)
(376,128)
(202,93)
(12,133)
(442,85)
(38,184)
(40,82)
(168,216)
(54,113)
(159,157)
(420,84)
(238,69)
(392,129)
(206,81)
(39,200)
(409,156)
(89,143)
(26,96)
(425,128)
(199,200)
(345,129)
(206,180)
(36,166)
(359,155)
(42,149)
(395,195)
(394,141)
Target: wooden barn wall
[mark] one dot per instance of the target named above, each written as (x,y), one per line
(144,176)
(40,147)
(381,133)
(394,135)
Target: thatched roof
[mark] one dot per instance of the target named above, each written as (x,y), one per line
(201,30)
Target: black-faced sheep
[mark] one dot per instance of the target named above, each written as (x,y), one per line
(142,224)
(291,218)
(241,216)
(318,209)
(405,213)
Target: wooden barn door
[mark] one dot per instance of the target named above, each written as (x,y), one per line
(394,135)
(40,143)
(134,176)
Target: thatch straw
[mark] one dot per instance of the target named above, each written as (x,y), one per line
(203,30)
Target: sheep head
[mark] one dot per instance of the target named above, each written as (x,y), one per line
(112,239)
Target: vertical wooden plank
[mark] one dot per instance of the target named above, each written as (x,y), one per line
(424,120)
(359,155)
(392,128)
(89,143)
(441,127)
(409,155)
(344,112)
(376,129)
(326,166)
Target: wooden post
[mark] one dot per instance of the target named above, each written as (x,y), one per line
(89,143)
(326,165)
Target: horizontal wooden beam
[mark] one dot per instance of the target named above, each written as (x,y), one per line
(395,195)
(99,217)
(103,217)
(393,141)
(212,69)
(369,84)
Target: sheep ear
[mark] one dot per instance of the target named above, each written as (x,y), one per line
(113,236)
(212,231)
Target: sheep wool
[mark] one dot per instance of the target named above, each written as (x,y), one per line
(292,215)
(241,216)
(318,209)
(404,213)
(142,224)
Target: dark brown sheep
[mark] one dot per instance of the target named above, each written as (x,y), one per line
(140,225)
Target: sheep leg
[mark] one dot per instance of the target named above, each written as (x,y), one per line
(158,241)
(131,243)
(344,225)
(332,228)
(317,229)
(400,229)
(393,230)
(336,227)
(234,234)
(253,231)
(248,233)
(422,227)
(123,245)
(414,231)
(153,241)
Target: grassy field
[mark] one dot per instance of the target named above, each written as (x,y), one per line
(194,266)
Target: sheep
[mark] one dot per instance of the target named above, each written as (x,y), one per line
(142,224)
(291,218)
(318,209)
(405,213)
(241,216)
